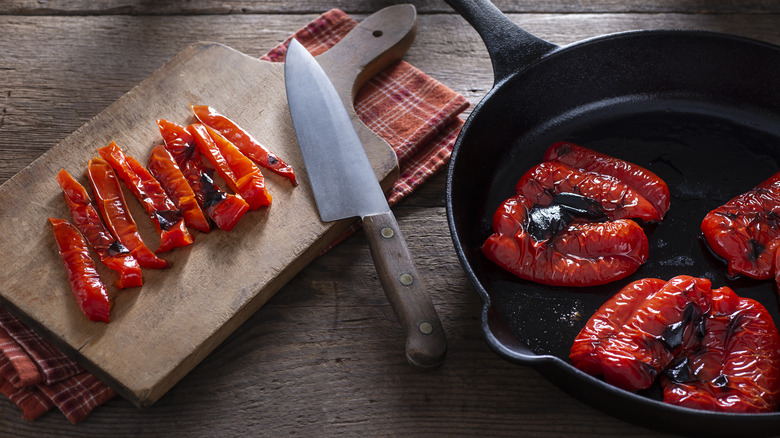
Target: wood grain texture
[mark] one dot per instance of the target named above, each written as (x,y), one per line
(324,356)
(237,7)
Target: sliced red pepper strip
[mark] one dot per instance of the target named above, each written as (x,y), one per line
(746,230)
(166,217)
(164,168)
(645,182)
(111,203)
(238,171)
(112,253)
(225,209)
(712,349)
(244,141)
(90,293)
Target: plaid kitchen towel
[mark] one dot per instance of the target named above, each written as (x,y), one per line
(417,115)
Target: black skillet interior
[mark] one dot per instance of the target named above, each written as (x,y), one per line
(701,110)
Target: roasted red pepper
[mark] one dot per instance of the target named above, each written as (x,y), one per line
(711,349)
(746,230)
(111,203)
(166,217)
(646,183)
(224,209)
(580,254)
(238,171)
(568,227)
(618,200)
(112,253)
(164,168)
(244,141)
(90,293)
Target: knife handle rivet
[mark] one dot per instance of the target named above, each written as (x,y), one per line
(406,279)
(425,327)
(387,232)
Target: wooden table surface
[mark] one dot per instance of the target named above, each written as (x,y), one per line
(324,356)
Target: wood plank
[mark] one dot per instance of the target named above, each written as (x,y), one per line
(82,64)
(275,7)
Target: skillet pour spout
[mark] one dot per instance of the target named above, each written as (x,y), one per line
(699,109)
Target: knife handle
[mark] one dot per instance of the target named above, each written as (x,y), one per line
(426,344)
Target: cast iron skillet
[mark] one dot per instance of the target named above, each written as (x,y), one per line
(700,109)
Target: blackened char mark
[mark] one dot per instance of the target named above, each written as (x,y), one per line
(212,195)
(545,222)
(672,337)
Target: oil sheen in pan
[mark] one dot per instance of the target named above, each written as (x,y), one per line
(706,155)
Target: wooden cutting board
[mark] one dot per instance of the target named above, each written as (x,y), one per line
(160,331)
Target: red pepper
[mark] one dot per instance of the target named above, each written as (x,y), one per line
(618,200)
(746,230)
(582,254)
(111,203)
(90,293)
(711,349)
(244,141)
(164,168)
(166,217)
(112,253)
(644,182)
(224,209)
(238,171)
(568,227)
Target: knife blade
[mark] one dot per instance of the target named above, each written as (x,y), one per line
(345,186)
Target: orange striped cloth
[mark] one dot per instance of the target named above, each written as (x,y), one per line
(417,115)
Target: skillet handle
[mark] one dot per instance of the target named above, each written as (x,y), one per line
(510,47)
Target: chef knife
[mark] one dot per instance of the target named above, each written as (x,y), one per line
(345,186)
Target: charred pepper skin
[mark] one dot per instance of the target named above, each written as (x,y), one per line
(86,218)
(746,231)
(710,348)
(112,205)
(583,254)
(244,141)
(167,219)
(530,241)
(238,171)
(645,182)
(164,168)
(224,209)
(90,293)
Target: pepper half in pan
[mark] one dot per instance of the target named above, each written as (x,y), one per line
(710,348)
(746,231)
(570,227)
